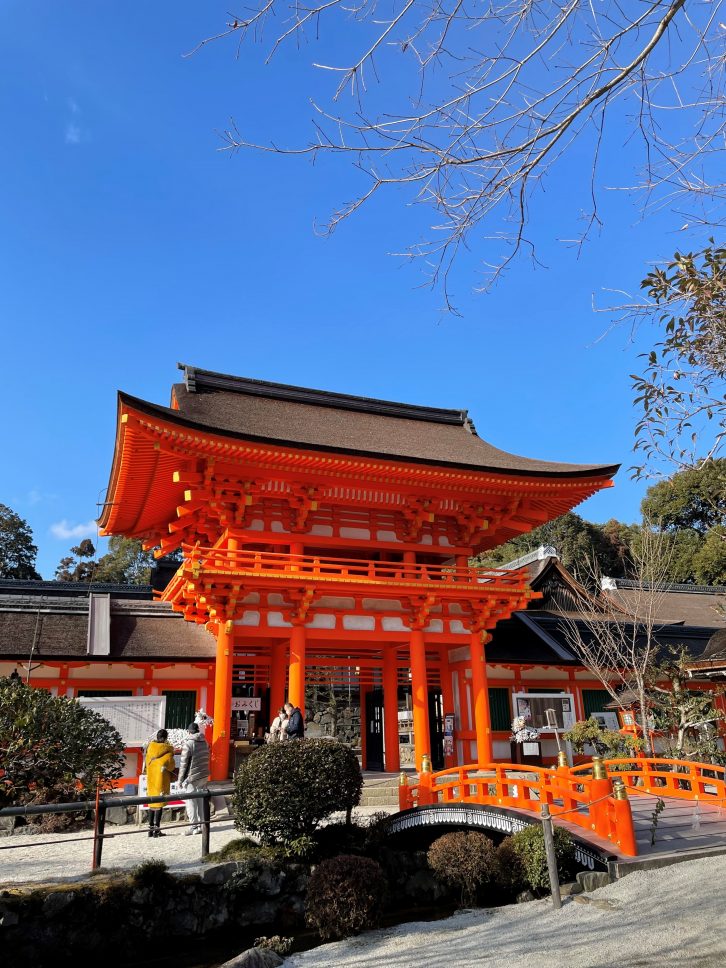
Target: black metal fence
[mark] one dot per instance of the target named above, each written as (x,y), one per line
(104,802)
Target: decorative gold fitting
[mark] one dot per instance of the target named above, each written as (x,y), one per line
(402,779)
(620,791)
(598,769)
(562,758)
(228,627)
(426,763)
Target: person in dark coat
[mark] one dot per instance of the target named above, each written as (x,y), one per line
(295,722)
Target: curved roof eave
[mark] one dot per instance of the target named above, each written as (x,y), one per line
(540,468)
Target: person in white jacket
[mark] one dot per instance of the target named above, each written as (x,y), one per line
(194,774)
(278,729)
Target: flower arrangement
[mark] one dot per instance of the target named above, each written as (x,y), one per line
(522,732)
(177,736)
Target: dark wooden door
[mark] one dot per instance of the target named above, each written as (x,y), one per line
(374,730)
(436,729)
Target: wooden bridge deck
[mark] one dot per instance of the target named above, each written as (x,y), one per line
(683,826)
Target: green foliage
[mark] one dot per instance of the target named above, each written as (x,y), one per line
(465,859)
(579,543)
(345,896)
(688,718)
(608,743)
(281,946)
(509,871)
(284,790)
(126,562)
(681,387)
(78,566)
(528,845)
(52,749)
(17,551)
(234,849)
(694,498)
(709,562)
(248,876)
(151,873)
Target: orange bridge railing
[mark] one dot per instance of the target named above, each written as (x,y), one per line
(588,801)
(593,796)
(655,776)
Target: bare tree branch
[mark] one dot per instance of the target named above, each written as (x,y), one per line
(496,92)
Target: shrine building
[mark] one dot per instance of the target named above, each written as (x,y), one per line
(327,538)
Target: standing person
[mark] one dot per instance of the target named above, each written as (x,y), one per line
(295,723)
(194,774)
(278,729)
(160,767)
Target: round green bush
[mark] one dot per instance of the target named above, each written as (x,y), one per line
(465,859)
(284,790)
(345,896)
(52,749)
(528,845)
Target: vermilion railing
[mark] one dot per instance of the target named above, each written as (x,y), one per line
(662,777)
(579,799)
(272,564)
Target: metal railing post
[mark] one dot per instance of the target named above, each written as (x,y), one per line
(98,831)
(549,842)
(206,816)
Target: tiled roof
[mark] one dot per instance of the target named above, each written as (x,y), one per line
(57,627)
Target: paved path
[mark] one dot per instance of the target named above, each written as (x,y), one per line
(29,857)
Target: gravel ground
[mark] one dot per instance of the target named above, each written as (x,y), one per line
(31,857)
(666,918)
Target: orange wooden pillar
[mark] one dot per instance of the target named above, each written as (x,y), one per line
(480,697)
(420,696)
(278,675)
(296,688)
(392,759)
(222,701)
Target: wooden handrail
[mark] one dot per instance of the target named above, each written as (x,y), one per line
(573,797)
(261,562)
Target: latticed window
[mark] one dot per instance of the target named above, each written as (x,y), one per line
(181,704)
(499,709)
(595,701)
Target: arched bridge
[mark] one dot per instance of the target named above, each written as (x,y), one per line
(606,805)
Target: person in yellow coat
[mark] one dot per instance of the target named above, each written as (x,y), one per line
(160,767)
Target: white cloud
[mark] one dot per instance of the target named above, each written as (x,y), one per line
(64,530)
(73,134)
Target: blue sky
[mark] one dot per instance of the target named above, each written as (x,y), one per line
(129,242)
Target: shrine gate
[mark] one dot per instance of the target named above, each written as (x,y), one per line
(322,531)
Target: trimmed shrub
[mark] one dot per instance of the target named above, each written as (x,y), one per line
(52,749)
(284,790)
(345,896)
(151,873)
(510,875)
(466,859)
(528,845)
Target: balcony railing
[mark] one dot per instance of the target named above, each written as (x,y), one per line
(274,565)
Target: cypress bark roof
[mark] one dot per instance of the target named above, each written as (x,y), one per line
(320,420)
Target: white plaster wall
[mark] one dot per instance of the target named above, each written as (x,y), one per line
(249,618)
(98,671)
(392,623)
(359,623)
(324,621)
(276,620)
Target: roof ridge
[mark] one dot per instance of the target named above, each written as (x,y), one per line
(198,380)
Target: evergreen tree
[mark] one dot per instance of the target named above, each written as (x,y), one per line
(17,550)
